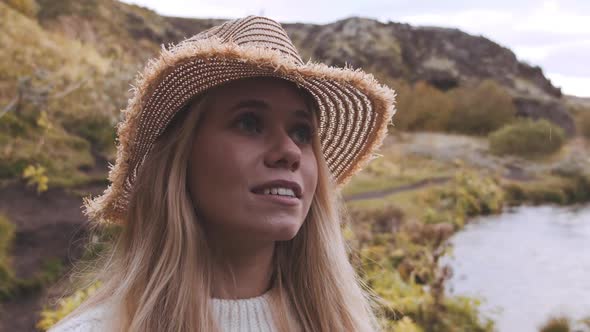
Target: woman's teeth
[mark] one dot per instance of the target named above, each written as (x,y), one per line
(279,191)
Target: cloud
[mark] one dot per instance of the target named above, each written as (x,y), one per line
(183,8)
(571,85)
(471,20)
(570,58)
(550,17)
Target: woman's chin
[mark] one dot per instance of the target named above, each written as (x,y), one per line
(283,231)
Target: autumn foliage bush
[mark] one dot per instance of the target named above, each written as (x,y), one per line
(422,107)
(468,110)
(467,195)
(480,110)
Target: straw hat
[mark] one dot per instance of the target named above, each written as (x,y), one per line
(354,109)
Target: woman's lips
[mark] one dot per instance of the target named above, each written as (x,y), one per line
(278,199)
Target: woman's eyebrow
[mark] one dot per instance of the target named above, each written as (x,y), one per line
(303,114)
(252,103)
(257,103)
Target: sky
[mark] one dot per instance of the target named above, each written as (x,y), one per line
(554,35)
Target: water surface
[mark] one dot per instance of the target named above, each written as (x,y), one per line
(528,263)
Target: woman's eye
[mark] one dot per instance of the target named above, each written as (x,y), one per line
(248,122)
(304,133)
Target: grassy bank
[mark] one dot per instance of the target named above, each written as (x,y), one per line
(400,237)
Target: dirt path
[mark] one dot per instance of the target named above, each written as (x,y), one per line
(391,191)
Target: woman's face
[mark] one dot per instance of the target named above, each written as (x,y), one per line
(254,141)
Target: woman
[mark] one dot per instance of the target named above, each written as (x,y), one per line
(226,187)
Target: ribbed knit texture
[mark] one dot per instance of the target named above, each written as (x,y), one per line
(243,315)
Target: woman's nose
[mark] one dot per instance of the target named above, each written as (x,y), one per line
(283,152)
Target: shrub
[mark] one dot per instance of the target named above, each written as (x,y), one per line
(35,175)
(6,272)
(583,123)
(467,195)
(28,8)
(10,169)
(97,129)
(397,258)
(534,193)
(406,325)
(568,183)
(527,138)
(576,177)
(481,110)
(556,324)
(51,269)
(50,317)
(422,107)
(14,126)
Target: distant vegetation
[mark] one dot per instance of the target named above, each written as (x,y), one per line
(568,185)
(565,324)
(582,116)
(422,107)
(473,111)
(528,138)
(481,110)
(6,272)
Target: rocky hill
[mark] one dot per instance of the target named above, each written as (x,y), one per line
(445,58)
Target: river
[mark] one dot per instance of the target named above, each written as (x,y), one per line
(528,264)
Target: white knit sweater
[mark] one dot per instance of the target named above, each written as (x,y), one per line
(244,315)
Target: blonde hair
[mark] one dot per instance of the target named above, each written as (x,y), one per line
(150,267)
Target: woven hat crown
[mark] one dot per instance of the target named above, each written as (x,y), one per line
(253,30)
